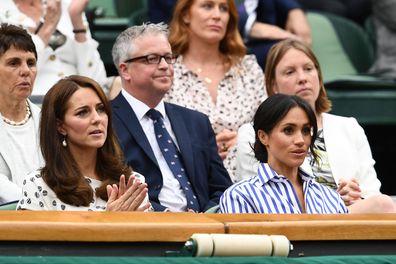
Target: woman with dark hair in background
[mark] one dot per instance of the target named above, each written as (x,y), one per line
(19,117)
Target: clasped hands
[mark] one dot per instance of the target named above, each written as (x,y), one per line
(349,190)
(127,196)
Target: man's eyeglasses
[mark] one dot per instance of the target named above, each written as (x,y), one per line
(154,59)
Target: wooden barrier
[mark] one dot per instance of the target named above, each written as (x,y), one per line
(104,226)
(177,227)
(151,234)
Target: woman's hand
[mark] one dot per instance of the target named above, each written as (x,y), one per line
(349,190)
(128,196)
(51,20)
(225,140)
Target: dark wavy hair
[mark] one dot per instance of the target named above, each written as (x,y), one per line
(231,45)
(17,37)
(271,112)
(61,172)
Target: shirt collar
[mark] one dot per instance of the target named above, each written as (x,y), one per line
(141,108)
(266,174)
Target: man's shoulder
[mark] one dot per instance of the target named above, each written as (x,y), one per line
(185,111)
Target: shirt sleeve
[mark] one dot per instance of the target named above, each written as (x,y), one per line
(9,191)
(32,193)
(233,201)
(246,163)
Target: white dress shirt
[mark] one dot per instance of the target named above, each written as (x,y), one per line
(171,194)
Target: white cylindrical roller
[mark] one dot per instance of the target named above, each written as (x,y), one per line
(280,245)
(204,243)
(241,245)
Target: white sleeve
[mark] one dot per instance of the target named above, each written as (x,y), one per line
(9,191)
(250,7)
(247,164)
(367,176)
(89,62)
(32,193)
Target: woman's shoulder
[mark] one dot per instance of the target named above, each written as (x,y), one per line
(249,60)
(344,120)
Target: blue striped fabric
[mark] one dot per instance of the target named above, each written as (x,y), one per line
(269,192)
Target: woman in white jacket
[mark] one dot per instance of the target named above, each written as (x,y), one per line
(346,163)
(61,34)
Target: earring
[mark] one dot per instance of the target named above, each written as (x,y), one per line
(64,143)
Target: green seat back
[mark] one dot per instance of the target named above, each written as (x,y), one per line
(107,5)
(9,206)
(328,48)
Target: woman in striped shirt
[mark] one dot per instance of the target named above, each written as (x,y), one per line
(285,127)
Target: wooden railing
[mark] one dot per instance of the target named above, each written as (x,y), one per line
(178,227)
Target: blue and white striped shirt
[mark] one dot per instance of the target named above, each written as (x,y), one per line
(269,192)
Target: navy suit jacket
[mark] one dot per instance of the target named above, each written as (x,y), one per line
(197,145)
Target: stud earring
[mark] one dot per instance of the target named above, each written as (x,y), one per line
(64,143)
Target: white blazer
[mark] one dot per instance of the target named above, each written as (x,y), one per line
(10,185)
(347,148)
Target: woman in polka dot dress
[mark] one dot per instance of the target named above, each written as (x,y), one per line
(83,161)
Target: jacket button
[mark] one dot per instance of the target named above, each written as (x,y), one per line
(158,187)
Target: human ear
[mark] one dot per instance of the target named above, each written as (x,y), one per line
(274,88)
(59,127)
(263,137)
(186,18)
(124,71)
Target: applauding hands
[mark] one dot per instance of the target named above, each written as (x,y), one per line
(128,196)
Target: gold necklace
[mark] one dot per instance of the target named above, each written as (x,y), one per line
(20,123)
(206,79)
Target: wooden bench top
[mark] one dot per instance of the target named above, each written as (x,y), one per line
(178,227)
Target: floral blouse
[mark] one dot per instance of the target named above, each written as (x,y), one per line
(238,96)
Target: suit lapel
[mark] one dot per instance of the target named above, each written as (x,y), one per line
(183,140)
(126,114)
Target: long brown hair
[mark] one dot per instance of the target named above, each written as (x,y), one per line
(231,45)
(276,53)
(61,172)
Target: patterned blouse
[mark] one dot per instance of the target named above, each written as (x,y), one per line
(37,195)
(322,170)
(238,96)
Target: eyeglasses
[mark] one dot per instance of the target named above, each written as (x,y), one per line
(154,59)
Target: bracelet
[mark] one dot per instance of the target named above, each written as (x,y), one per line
(76,31)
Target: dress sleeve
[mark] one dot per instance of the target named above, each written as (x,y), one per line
(32,193)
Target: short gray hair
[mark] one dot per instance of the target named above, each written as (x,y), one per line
(124,43)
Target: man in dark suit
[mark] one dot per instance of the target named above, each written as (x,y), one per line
(144,60)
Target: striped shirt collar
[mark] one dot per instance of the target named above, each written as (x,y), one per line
(266,174)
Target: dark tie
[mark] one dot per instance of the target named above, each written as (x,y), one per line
(173,158)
